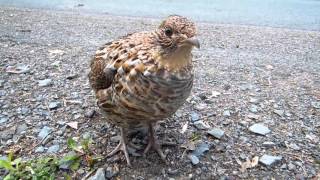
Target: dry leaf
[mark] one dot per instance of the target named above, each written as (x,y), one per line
(249,164)
(73,124)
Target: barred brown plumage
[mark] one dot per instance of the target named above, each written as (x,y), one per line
(144,77)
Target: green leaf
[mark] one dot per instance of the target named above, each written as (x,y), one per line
(10,156)
(6,165)
(75,165)
(72,144)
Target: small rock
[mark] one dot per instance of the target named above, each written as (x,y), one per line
(200,149)
(268,144)
(269,160)
(316,105)
(294,146)
(291,167)
(18,69)
(259,129)
(72,76)
(226,113)
(279,112)
(200,107)
(215,94)
(21,128)
(246,87)
(3,119)
(194,116)
(253,108)
(253,100)
(100,175)
(201,125)
(54,148)
(90,113)
(111,172)
(39,149)
(217,133)
(45,131)
(253,116)
(45,82)
(194,159)
(54,105)
(115,139)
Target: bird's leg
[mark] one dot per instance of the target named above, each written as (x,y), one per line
(153,143)
(122,146)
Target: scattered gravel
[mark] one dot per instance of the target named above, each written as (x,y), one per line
(244,76)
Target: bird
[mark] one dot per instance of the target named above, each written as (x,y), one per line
(144,77)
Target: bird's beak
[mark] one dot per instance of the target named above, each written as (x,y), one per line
(193,42)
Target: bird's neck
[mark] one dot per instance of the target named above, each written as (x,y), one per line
(177,60)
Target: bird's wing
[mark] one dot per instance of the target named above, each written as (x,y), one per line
(105,63)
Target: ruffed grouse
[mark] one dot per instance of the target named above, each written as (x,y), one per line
(144,77)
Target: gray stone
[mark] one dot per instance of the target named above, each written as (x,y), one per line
(253,116)
(54,148)
(25,110)
(18,69)
(268,144)
(39,149)
(100,175)
(201,125)
(21,128)
(259,129)
(253,108)
(316,105)
(254,100)
(294,146)
(45,131)
(194,159)
(291,167)
(226,113)
(54,105)
(201,149)
(90,113)
(279,112)
(217,133)
(45,82)
(269,160)
(194,116)
(111,172)
(3,119)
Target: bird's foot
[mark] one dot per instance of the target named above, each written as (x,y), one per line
(122,146)
(153,143)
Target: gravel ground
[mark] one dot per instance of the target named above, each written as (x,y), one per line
(254,111)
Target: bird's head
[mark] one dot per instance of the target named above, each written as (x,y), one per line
(176,35)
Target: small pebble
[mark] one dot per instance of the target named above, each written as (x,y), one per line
(45,82)
(259,129)
(99,175)
(194,116)
(54,148)
(268,144)
(269,160)
(39,149)
(279,112)
(226,113)
(217,133)
(90,113)
(194,159)
(45,131)
(54,105)
(201,125)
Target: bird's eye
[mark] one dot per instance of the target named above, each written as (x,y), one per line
(168,32)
